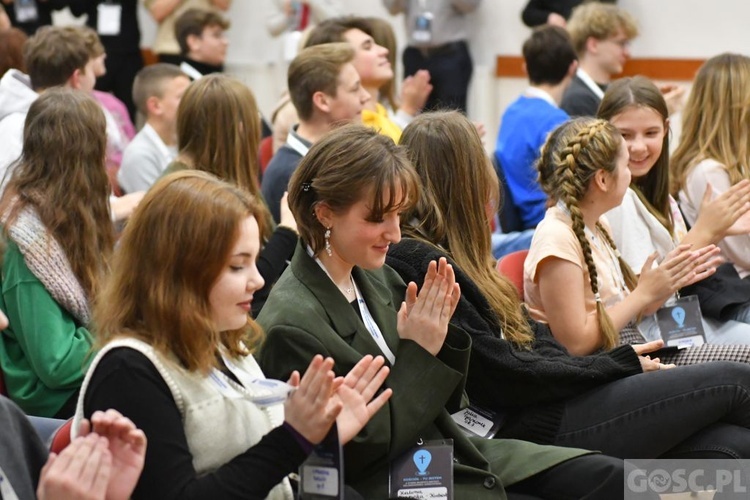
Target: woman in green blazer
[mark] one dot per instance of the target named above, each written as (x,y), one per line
(338,299)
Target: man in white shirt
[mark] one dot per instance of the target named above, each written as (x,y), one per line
(601,35)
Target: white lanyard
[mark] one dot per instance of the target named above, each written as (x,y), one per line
(262,392)
(371,326)
(190,71)
(591,84)
(367,318)
(293,142)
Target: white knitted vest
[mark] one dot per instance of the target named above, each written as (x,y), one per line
(218,427)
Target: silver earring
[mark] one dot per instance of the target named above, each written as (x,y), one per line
(327,237)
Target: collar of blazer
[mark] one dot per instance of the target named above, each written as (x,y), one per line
(343,318)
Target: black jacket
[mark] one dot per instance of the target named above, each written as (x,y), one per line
(530,386)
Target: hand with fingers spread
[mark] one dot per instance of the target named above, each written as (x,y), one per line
(728,214)
(356,395)
(127,447)
(81,471)
(424,317)
(681,267)
(311,409)
(647,363)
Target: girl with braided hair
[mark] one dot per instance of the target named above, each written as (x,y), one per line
(584,167)
(517,368)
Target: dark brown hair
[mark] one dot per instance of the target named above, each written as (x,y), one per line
(61,174)
(347,164)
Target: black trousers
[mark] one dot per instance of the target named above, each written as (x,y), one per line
(450,68)
(588,477)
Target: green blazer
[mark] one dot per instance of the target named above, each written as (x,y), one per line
(307,315)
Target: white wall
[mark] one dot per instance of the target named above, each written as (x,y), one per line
(669,28)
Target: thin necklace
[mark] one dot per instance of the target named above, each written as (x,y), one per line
(350,290)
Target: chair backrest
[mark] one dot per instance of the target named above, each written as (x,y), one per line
(511,266)
(61,438)
(510,217)
(266,153)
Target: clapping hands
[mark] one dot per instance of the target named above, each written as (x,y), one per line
(321,398)
(424,318)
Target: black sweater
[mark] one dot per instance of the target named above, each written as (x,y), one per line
(127,381)
(530,386)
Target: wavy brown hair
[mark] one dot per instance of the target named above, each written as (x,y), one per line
(218,131)
(715,120)
(458,183)
(61,175)
(653,188)
(583,147)
(171,254)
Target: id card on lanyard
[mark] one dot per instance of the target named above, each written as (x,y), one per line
(680,322)
(26,11)
(424,472)
(322,473)
(422,33)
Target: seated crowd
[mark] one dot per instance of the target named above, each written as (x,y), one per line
(215,327)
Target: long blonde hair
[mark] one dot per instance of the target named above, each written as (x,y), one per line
(585,146)
(458,184)
(716,120)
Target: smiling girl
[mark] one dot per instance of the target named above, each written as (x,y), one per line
(584,166)
(176,352)
(649,220)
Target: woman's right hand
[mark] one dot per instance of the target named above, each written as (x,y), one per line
(424,317)
(681,267)
(310,409)
(286,219)
(321,399)
(647,363)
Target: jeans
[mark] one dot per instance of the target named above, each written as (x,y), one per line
(505,243)
(696,411)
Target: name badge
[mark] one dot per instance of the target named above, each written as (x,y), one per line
(424,472)
(322,474)
(108,20)
(422,33)
(26,11)
(680,323)
(477,421)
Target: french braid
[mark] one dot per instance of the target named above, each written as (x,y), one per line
(594,147)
